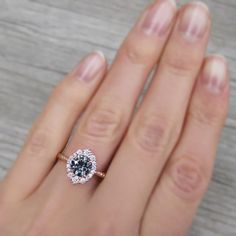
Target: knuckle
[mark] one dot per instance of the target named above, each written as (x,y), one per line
(39,142)
(204,116)
(137,54)
(152,134)
(179,66)
(63,94)
(59,94)
(66,94)
(103,123)
(188,178)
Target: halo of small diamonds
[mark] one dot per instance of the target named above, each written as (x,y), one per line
(81,166)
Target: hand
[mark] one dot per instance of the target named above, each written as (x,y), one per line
(158,160)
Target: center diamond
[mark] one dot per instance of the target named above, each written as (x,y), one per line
(81,166)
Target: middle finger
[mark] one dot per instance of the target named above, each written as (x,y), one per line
(157,125)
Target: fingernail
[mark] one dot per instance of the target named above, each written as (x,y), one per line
(194,20)
(214,74)
(89,67)
(159,17)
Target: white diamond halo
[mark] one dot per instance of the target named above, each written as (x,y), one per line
(81,166)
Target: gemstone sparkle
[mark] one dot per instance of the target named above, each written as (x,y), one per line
(81,166)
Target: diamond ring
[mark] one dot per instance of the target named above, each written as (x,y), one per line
(81,166)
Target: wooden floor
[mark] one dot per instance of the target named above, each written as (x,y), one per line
(41,40)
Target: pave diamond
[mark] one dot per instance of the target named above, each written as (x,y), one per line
(81,166)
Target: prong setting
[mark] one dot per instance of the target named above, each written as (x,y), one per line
(81,166)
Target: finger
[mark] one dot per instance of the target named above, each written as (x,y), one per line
(156,127)
(107,116)
(187,174)
(51,130)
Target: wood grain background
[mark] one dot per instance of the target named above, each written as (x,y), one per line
(41,40)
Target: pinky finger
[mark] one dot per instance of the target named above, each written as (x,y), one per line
(188,172)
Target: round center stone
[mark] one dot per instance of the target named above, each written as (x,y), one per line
(81,166)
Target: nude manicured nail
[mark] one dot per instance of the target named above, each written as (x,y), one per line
(159,17)
(214,74)
(194,21)
(89,66)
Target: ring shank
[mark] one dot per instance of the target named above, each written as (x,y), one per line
(62,157)
(100,174)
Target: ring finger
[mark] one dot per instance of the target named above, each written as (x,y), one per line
(107,116)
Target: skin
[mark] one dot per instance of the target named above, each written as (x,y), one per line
(158,159)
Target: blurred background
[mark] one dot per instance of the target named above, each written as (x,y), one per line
(42,40)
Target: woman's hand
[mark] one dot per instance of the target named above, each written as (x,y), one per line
(158,161)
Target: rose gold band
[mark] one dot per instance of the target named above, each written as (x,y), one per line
(62,157)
